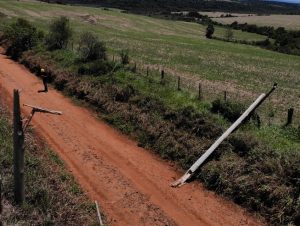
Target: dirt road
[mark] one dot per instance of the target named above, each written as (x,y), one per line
(130,183)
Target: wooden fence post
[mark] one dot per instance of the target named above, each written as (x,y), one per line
(290,116)
(18,138)
(0,197)
(258,121)
(199,91)
(147,71)
(178,84)
(162,76)
(225,96)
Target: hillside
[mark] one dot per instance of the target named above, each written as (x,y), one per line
(144,6)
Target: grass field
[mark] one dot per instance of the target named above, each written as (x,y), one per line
(290,22)
(181,49)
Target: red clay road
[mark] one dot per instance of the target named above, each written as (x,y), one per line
(131,184)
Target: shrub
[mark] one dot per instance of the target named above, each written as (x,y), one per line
(90,48)
(209,31)
(59,35)
(228,33)
(98,67)
(20,36)
(230,111)
(124,57)
(124,94)
(242,143)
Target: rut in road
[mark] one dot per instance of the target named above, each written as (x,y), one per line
(131,184)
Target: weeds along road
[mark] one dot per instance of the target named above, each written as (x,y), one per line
(130,183)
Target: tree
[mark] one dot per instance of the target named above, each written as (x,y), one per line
(20,36)
(60,33)
(90,48)
(209,31)
(228,33)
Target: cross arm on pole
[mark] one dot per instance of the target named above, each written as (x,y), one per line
(38,109)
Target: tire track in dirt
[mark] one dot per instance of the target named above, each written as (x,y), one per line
(131,184)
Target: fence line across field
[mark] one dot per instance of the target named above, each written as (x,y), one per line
(270,113)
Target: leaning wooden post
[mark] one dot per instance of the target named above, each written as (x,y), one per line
(18,137)
(178,84)
(199,91)
(290,116)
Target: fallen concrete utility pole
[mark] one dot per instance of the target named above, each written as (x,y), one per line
(232,128)
(98,214)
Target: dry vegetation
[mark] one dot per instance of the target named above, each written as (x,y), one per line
(219,14)
(290,22)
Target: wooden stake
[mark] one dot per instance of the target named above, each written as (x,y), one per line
(258,121)
(178,84)
(290,116)
(147,71)
(225,96)
(162,76)
(18,137)
(0,197)
(200,91)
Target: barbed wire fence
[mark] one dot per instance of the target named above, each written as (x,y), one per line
(277,110)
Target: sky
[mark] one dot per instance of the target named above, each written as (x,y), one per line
(291,1)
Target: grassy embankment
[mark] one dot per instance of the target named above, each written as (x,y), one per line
(52,196)
(258,169)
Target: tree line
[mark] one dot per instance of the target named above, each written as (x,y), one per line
(156,6)
(284,41)
(278,39)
